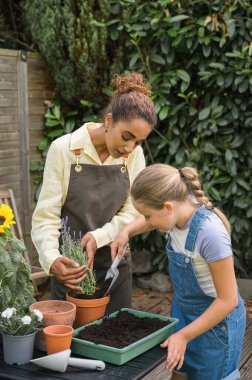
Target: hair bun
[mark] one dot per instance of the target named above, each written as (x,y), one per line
(131,82)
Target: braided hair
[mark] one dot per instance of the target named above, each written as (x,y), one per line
(159,183)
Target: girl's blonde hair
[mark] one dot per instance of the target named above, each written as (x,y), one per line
(159,183)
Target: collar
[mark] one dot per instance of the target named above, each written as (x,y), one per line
(80,139)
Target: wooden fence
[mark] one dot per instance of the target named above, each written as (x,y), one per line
(24,86)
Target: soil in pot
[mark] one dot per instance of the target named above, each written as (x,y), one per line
(122,330)
(99,293)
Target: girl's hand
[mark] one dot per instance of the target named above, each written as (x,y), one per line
(89,242)
(68,272)
(119,243)
(176,346)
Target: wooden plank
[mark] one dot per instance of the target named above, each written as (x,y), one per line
(12,145)
(36,118)
(9,102)
(40,94)
(24,138)
(37,110)
(4,85)
(8,161)
(7,153)
(8,136)
(7,68)
(5,94)
(6,171)
(7,60)
(8,77)
(9,111)
(8,119)
(8,52)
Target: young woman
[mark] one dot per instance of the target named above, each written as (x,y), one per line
(208,340)
(87,178)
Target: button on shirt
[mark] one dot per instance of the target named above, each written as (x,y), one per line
(46,221)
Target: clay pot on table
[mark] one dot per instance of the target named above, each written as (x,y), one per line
(88,310)
(58,338)
(55,312)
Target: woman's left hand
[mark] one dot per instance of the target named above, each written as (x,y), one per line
(176,346)
(89,243)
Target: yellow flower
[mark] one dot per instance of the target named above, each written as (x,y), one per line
(6,217)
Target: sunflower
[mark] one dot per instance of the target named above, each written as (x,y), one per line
(6,217)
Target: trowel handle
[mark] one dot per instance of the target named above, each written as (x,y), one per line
(119,258)
(87,363)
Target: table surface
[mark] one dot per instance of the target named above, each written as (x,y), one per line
(133,370)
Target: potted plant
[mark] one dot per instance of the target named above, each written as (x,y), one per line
(90,300)
(15,285)
(18,330)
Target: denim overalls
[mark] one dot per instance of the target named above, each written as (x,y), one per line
(215,354)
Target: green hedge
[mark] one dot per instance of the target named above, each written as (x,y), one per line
(198,57)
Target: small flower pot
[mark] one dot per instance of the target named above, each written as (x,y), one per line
(18,349)
(58,338)
(88,310)
(55,312)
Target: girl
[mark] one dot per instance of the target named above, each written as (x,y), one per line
(87,179)
(208,341)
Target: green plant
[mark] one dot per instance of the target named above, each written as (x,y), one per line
(16,288)
(197,56)
(72,37)
(17,322)
(72,249)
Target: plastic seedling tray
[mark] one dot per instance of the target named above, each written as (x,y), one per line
(121,356)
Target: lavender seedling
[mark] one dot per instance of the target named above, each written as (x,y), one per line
(72,249)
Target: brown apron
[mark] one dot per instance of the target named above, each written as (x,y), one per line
(95,195)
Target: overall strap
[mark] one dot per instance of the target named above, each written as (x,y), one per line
(197,219)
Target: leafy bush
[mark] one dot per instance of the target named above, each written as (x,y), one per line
(16,288)
(72,36)
(197,56)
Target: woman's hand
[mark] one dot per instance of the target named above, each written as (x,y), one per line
(176,346)
(89,243)
(119,243)
(68,272)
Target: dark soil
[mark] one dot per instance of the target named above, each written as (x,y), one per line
(122,330)
(99,293)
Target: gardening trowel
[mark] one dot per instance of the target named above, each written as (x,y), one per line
(60,361)
(113,272)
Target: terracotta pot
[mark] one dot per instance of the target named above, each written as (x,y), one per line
(58,338)
(88,310)
(55,312)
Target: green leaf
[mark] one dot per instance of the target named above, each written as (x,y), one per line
(204,113)
(214,193)
(177,18)
(69,126)
(182,74)
(210,148)
(158,59)
(52,123)
(56,111)
(133,60)
(243,184)
(228,155)
(163,113)
(55,133)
